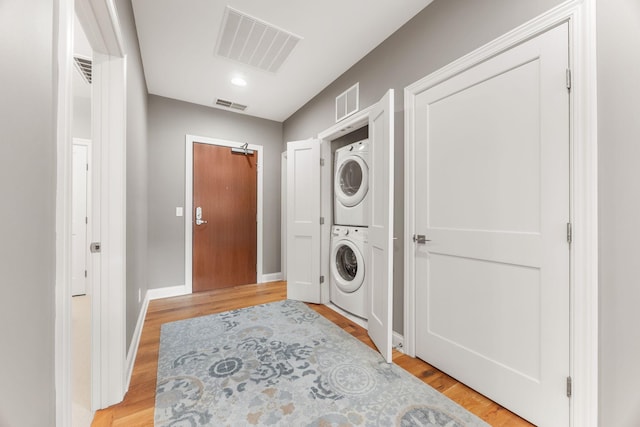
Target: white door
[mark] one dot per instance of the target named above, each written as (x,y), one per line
(492,199)
(380,248)
(303,221)
(79,244)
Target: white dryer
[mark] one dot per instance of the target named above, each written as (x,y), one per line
(351,185)
(349,276)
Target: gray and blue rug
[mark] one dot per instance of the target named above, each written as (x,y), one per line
(283,364)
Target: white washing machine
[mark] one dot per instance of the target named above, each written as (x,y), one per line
(349,277)
(351,185)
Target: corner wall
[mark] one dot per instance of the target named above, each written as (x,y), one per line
(618,39)
(169,121)
(27,218)
(441,33)
(136,152)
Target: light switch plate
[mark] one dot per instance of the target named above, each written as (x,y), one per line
(179,211)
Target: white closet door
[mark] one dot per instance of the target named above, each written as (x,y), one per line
(380,248)
(79,244)
(492,195)
(303,220)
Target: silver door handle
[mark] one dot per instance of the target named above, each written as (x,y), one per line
(420,239)
(200,221)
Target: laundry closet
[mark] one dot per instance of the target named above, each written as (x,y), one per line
(337,194)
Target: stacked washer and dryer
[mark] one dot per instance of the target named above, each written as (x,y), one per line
(349,235)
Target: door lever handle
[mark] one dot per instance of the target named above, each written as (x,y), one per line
(200,221)
(420,239)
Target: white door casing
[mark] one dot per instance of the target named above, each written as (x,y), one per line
(492,284)
(303,221)
(380,248)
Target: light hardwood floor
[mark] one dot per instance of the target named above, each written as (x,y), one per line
(138,405)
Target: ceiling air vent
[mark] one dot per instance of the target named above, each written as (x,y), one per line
(83,65)
(229,104)
(254,42)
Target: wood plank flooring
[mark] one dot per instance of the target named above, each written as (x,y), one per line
(138,405)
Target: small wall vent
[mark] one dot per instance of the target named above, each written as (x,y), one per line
(84,66)
(254,42)
(348,102)
(229,104)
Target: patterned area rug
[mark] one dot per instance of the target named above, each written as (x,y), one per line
(284,364)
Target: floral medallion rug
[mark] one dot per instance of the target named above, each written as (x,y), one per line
(283,364)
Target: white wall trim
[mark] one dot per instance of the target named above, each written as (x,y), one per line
(188,204)
(152,294)
(63,96)
(135,340)
(398,342)
(271,277)
(580,15)
(168,292)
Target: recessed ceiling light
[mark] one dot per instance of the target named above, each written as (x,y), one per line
(239,81)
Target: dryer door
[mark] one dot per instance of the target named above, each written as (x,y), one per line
(347,267)
(351,181)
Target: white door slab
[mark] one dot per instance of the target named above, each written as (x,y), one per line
(79,243)
(380,248)
(492,198)
(303,221)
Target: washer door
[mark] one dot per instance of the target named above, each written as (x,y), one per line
(347,267)
(351,181)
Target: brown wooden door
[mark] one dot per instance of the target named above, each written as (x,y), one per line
(225,188)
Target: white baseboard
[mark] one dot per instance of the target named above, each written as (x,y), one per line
(135,341)
(172,291)
(398,342)
(151,294)
(271,277)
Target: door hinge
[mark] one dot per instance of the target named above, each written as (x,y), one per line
(321,279)
(569,233)
(568,78)
(569,386)
(87,167)
(85,273)
(86,220)
(321,220)
(321,161)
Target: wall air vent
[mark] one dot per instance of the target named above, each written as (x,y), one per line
(229,104)
(254,42)
(83,65)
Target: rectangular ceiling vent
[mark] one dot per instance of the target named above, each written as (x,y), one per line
(83,65)
(254,42)
(229,104)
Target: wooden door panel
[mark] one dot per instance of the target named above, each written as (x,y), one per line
(225,187)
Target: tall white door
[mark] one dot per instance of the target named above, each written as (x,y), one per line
(79,244)
(380,248)
(492,199)
(303,221)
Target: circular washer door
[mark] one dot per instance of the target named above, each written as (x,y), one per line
(347,267)
(351,181)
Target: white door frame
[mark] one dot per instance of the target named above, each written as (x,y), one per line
(188,197)
(580,15)
(100,22)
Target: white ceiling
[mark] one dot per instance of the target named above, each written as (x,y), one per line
(178,40)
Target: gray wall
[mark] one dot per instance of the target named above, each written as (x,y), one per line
(444,31)
(169,122)
(81,122)
(27,217)
(137,215)
(618,36)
